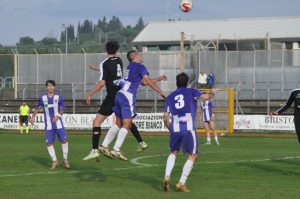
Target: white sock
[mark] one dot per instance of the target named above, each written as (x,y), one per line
(65,150)
(111,134)
(216,139)
(120,139)
(186,171)
(51,152)
(170,164)
(208,140)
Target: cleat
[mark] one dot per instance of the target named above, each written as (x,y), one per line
(119,155)
(105,151)
(207,143)
(217,143)
(166,184)
(181,188)
(54,165)
(142,146)
(67,164)
(93,154)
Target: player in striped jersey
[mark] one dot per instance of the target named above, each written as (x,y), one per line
(125,102)
(208,119)
(53,106)
(182,105)
(294,98)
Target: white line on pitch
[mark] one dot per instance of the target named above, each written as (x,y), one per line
(135,161)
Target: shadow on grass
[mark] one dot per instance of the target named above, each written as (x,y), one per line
(44,161)
(267,169)
(149,179)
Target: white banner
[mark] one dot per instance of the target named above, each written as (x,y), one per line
(148,122)
(264,122)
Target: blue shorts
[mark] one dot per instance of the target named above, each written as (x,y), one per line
(124,107)
(187,140)
(50,135)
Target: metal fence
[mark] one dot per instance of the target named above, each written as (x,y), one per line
(251,72)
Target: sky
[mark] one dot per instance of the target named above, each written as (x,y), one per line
(42,18)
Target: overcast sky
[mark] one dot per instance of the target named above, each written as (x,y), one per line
(41,18)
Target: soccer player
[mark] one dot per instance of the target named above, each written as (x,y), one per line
(125,100)
(182,105)
(23,117)
(112,48)
(53,107)
(294,98)
(209,120)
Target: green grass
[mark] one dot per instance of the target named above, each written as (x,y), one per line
(242,167)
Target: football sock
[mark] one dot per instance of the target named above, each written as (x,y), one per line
(216,139)
(208,140)
(21,129)
(51,152)
(65,150)
(27,129)
(187,168)
(111,134)
(96,137)
(120,139)
(135,132)
(170,164)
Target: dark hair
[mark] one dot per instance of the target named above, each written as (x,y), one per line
(182,80)
(130,55)
(112,47)
(50,82)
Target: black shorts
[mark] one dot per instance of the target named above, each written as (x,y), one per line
(24,119)
(107,106)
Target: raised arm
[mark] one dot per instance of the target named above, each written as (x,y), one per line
(157,79)
(152,85)
(97,88)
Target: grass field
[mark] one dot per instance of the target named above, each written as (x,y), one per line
(241,167)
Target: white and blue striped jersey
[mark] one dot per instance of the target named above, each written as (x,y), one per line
(52,106)
(207,110)
(182,104)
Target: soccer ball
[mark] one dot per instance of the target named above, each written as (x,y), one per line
(186,5)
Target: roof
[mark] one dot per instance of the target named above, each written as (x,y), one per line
(222,29)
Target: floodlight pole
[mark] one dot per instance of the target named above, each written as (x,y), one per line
(182,51)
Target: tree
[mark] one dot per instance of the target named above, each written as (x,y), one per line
(140,24)
(26,40)
(49,41)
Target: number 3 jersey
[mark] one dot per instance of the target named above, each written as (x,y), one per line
(182,104)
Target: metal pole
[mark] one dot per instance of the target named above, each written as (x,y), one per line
(84,89)
(37,72)
(268,98)
(254,71)
(282,70)
(181,51)
(66,39)
(226,65)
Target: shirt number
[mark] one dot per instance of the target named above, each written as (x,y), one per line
(180,102)
(119,70)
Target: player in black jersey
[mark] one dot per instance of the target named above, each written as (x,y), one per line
(110,69)
(294,97)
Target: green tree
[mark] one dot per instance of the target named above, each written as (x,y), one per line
(140,24)
(26,40)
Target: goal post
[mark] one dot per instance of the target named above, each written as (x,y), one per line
(223,110)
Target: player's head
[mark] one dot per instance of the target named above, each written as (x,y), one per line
(182,80)
(134,56)
(50,84)
(112,47)
(23,103)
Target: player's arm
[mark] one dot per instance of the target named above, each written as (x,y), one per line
(152,85)
(285,106)
(157,79)
(97,88)
(61,105)
(167,119)
(36,109)
(93,66)
(209,95)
